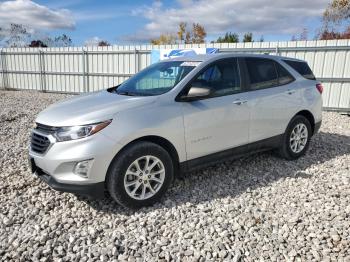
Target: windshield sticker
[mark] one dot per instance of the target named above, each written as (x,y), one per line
(190,63)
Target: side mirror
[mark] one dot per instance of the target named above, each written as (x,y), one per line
(196,93)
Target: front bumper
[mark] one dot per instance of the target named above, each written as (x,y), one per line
(95,190)
(56,165)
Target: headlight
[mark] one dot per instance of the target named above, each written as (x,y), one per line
(77,132)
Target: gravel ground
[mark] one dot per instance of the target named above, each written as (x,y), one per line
(256,208)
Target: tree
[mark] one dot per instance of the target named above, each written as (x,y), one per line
(198,34)
(2,34)
(330,35)
(47,41)
(248,37)
(37,43)
(228,38)
(16,36)
(261,38)
(188,38)
(62,41)
(337,12)
(304,35)
(164,39)
(182,31)
(334,17)
(103,43)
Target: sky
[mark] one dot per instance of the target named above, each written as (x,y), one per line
(138,21)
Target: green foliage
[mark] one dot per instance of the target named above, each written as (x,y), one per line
(248,37)
(228,38)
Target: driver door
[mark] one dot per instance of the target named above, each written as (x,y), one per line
(220,121)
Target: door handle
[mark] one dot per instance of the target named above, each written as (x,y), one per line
(239,102)
(290,91)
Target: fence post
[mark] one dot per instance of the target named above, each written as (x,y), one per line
(42,70)
(3,69)
(277,51)
(137,60)
(85,63)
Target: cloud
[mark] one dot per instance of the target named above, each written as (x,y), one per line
(94,41)
(257,16)
(35,16)
(95,16)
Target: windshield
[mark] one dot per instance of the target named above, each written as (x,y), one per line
(156,79)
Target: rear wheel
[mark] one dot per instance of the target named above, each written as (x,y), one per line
(140,175)
(296,139)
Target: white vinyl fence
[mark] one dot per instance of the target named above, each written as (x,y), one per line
(88,69)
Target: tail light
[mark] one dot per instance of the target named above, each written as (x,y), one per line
(319,88)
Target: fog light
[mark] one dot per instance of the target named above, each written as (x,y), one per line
(82,168)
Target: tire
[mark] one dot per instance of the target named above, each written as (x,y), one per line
(289,150)
(128,170)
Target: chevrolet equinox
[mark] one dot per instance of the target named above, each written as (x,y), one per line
(131,140)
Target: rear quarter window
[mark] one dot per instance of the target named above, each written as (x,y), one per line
(284,77)
(302,68)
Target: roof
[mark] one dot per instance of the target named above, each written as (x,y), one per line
(202,58)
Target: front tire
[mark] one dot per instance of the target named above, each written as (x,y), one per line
(296,139)
(140,175)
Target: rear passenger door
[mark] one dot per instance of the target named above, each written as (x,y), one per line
(272,97)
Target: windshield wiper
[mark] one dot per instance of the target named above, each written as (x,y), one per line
(125,93)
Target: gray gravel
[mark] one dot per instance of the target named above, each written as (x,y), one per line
(258,207)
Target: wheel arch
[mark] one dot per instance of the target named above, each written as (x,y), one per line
(309,116)
(161,141)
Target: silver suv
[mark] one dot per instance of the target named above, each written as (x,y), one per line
(132,140)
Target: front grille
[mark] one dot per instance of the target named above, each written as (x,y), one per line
(39,143)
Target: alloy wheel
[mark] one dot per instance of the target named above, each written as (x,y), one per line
(144,177)
(298,138)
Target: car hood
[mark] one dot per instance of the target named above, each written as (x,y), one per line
(89,108)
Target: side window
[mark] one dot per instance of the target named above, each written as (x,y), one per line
(284,77)
(262,73)
(222,78)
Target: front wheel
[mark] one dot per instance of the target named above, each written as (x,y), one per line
(296,139)
(140,175)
